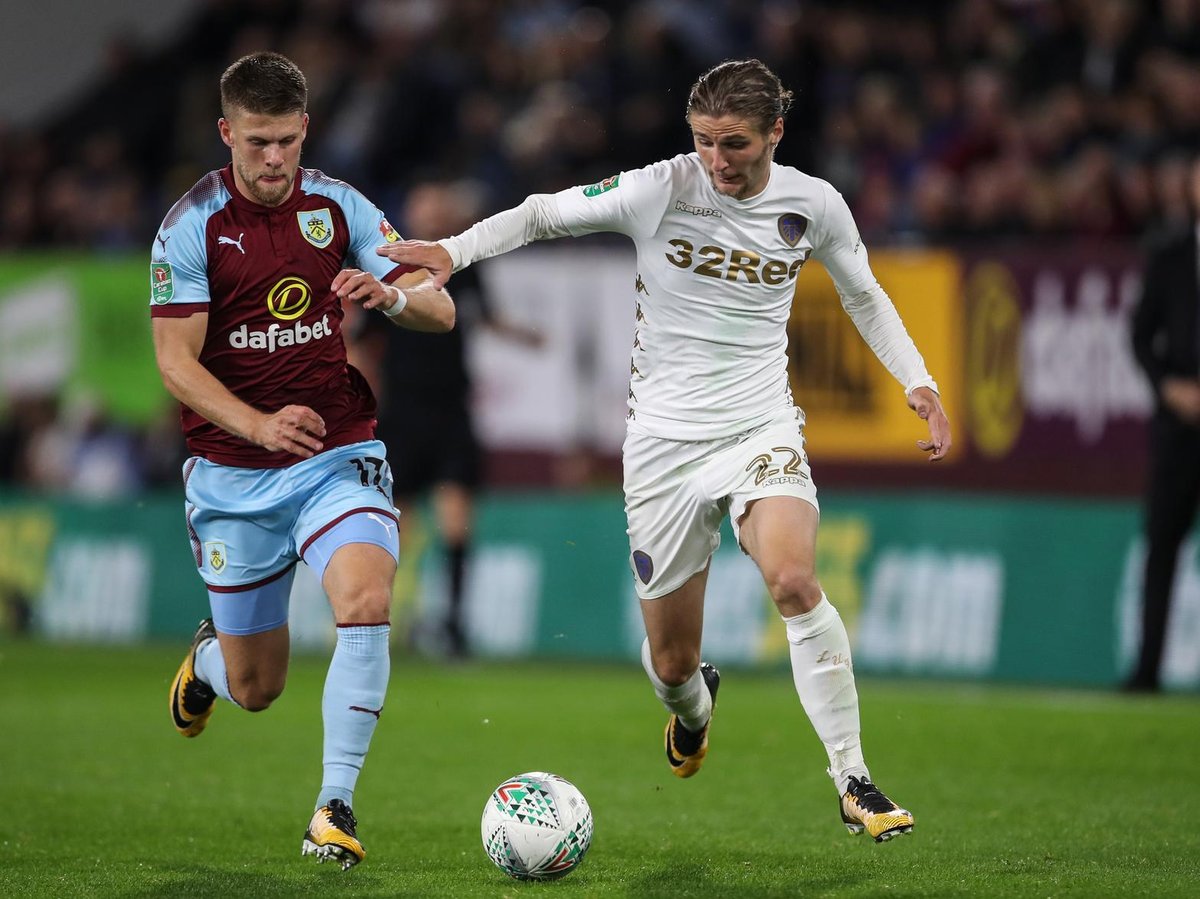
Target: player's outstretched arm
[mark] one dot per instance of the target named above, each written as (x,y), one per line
(928,406)
(538,218)
(177,345)
(425,254)
(415,301)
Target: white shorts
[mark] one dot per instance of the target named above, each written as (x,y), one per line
(676,493)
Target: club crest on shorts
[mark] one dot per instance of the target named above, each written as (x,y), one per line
(317,226)
(792,226)
(214,554)
(643,565)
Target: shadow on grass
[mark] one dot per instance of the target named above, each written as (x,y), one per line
(741,873)
(198,881)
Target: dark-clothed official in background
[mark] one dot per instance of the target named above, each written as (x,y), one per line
(1166,341)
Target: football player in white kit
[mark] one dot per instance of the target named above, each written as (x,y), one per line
(721,235)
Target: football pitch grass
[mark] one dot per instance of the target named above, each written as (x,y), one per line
(1017,792)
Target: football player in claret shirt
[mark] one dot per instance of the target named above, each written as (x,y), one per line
(248,274)
(721,236)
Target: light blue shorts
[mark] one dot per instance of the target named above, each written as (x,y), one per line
(249,526)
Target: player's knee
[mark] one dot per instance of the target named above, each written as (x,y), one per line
(795,589)
(255,695)
(674,667)
(368,604)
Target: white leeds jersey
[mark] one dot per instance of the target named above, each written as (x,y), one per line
(713,288)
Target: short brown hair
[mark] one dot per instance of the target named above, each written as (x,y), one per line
(264,83)
(745,88)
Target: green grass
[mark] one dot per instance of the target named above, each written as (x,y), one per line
(1017,792)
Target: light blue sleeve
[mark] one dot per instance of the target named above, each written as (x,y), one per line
(179,256)
(368,226)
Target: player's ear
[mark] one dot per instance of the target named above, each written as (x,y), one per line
(226,131)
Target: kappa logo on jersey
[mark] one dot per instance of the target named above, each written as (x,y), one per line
(594,190)
(317,227)
(162,282)
(792,226)
(389,233)
(702,211)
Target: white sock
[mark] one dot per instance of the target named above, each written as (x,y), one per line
(210,668)
(690,701)
(824,677)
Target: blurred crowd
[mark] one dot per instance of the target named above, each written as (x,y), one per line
(939,120)
(58,444)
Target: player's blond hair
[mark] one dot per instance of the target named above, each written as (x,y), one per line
(744,88)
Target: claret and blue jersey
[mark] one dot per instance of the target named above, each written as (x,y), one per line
(263,275)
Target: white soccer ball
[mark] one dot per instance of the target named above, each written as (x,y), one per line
(536,826)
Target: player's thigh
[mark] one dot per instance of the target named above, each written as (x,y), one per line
(773,509)
(358,581)
(770,462)
(780,534)
(239,523)
(254,608)
(349,481)
(673,525)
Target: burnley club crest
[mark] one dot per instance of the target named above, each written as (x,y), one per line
(317,227)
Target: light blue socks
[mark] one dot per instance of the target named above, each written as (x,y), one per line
(354,692)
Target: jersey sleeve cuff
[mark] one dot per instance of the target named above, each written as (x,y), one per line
(451,246)
(397,272)
(177,310)
(923,382)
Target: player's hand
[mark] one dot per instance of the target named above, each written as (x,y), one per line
(1182,396)
(293,429)
(424,254)
(928,406)
(362,287)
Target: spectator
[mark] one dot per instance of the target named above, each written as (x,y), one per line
(1166,341)
(898,103)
